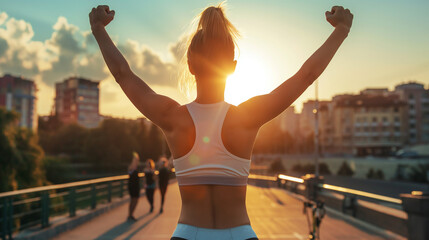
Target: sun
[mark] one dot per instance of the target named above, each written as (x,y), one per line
(251,78)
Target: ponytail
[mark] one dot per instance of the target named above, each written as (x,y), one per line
(214,39)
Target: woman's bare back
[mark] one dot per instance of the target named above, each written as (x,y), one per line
(213,206)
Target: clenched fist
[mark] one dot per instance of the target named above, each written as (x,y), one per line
(100,16)
(339,16)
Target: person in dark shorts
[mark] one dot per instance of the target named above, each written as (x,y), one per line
(163,177)
(150,184)
(133,185)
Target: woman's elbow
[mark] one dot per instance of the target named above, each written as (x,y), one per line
(120,72)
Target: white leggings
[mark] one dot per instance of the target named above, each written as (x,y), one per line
(188,232)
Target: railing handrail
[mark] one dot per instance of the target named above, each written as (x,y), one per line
(330,187)
(66,185)
(360,193)
(251,176)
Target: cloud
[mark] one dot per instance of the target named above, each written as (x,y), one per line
(178,49)
(18,54)
(3,17)
(148,65)
(73,52)
(3,46)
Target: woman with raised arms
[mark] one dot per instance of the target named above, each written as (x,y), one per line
(211,140)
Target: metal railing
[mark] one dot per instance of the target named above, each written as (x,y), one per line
(23,209)
(316,193)
(344,190)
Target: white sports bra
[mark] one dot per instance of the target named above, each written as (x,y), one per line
(209,162)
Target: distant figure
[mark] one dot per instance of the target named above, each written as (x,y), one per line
(133,185)
(163,177)
(150,184)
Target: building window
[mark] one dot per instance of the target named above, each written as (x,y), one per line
(374,119)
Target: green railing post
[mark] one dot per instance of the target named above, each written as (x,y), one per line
(5,217)
(109,192)
(93,196)
(72,202)
(10,218)
(121,191)
(45,208)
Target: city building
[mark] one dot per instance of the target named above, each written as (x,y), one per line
(77,101)
(289,121)
(306,119)
(19,94)
(370,124)
(417,114)
(374,122)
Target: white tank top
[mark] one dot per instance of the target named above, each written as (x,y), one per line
(209,162)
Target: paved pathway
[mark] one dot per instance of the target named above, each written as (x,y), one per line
(274,214)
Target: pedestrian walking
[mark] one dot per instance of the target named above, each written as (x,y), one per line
(163,179)
(133,185)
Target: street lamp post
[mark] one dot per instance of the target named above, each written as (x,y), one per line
(316,129)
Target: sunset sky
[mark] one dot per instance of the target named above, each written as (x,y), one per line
(48,41)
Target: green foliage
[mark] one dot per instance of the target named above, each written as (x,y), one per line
(310,168)
(20,154)
(57,169)
(277,167)
(112,142)
(345,170)
(271,140)
(419,173)
(108,147)
(372,174)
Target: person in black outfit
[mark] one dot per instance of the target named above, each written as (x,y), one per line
(150,181)
(163,177)
(133,185)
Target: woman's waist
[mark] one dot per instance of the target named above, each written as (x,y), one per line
(214,214)
(214,223)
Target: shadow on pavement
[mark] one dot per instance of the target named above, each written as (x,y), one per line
(122,228)
(141,227)
(273,196)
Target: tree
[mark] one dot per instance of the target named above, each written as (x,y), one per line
(277,167)
(271,139)
(370,174)
(310,168)
(345,170)
(155,142)
(112,143)
(20,154)
(419,173)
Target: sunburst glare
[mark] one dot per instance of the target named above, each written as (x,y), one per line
(252,77)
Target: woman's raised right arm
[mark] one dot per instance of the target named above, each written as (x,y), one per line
(260,109)
(156,107)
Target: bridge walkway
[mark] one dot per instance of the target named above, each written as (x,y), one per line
(274,214)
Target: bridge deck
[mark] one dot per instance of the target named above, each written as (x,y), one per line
(274,214)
